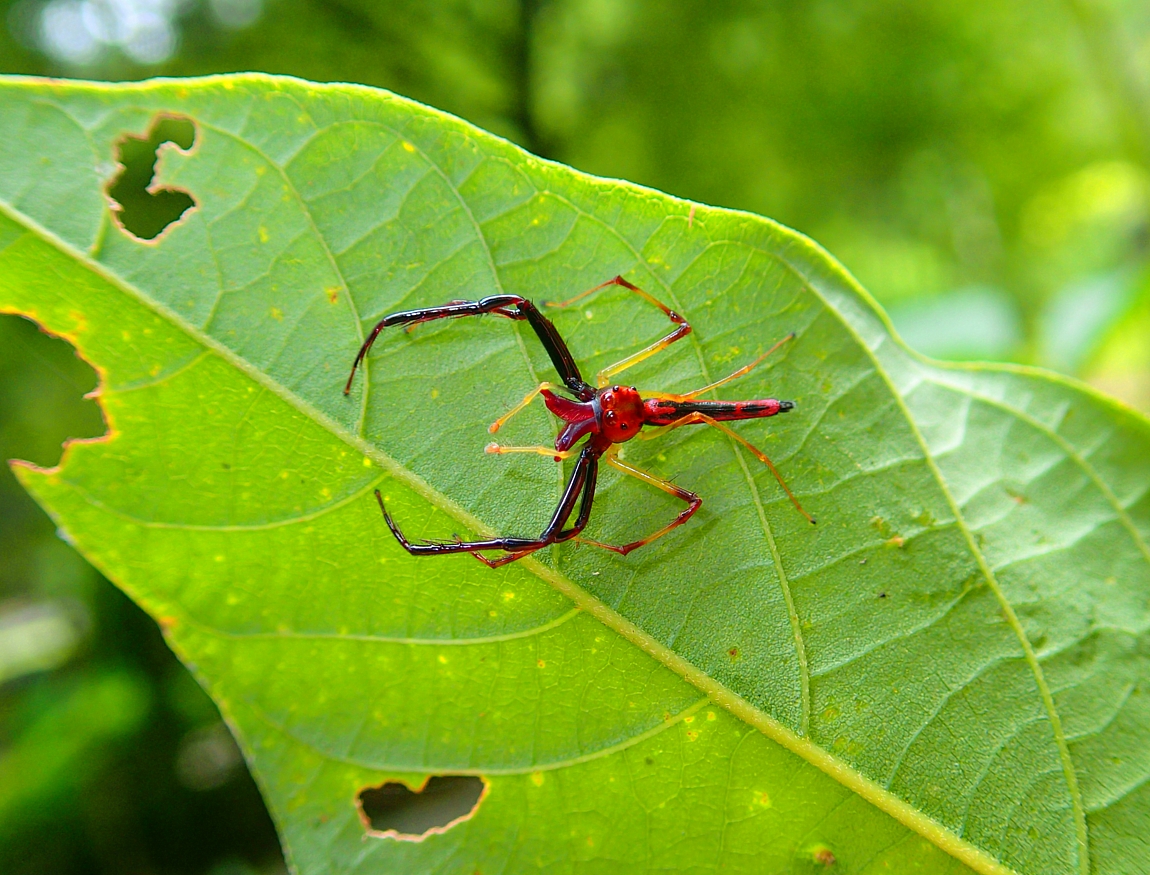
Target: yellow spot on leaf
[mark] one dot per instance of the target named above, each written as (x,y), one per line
(277,314)
(219,558)
(692,735)
(442,659)
(264,237)
(408,147)
(332,294)
(762,798)
(367,461)
(537,779)
(689,720)
(434,393)
(710,716)
(541,664)
(508,596)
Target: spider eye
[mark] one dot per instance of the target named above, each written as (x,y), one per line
(633,389)
(616,389)
(610,417)
(624,426)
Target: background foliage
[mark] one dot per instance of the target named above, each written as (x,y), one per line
(981,166)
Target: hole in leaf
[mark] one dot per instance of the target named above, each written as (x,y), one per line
(143,209)
(45,394)
(45,401)
(394,811)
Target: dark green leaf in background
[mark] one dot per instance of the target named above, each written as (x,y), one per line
(951,668)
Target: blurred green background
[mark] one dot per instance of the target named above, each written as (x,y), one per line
(982,166)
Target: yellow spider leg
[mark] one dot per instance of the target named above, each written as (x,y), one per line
(681,331)
(619,281)
(745,369)
(557,455)
(693,502)
(605,375)
(502,421)
(691,418)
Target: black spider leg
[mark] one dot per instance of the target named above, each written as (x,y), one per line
(580,489)
(560,355)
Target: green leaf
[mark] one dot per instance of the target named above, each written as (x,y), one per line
(949,671)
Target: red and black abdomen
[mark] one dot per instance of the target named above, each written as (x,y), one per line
(663,412)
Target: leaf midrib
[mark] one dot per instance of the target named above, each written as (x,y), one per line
(837,769)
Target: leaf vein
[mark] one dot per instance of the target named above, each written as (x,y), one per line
(1068,770)
(792,613)
(1078,459)
(306,211)
(663,725)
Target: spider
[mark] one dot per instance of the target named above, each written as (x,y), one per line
(606,414)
